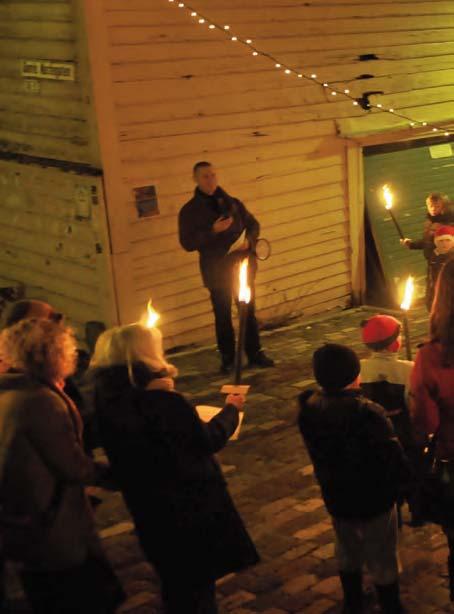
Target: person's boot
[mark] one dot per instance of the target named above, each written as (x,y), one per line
(451,577)
(389,598)
(260,359)
(352,585)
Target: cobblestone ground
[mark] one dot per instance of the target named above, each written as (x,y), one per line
(271,481)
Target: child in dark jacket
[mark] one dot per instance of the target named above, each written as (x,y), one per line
(359,465)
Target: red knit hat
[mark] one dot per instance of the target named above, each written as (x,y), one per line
(444,232)
(380,331)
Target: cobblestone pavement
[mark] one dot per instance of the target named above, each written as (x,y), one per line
(271,481)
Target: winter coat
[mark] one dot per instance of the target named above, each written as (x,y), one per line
(43,466)
(385,379)
(195,224)
(432,222)
(435,264)
(162,458)
(357,458)
(432,399)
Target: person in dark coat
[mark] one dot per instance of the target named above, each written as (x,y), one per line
(75,386)
(212,223)
(443,251)
(358,463)
(432,398)
(47,521)
(440,212)
(161,455)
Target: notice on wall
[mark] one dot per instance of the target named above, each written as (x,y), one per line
(43,69)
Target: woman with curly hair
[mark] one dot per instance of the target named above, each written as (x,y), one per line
(47,523)
(432,391)
(161,456)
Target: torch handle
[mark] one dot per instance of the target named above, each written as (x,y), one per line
(242,313)
(407,337)
(396,224)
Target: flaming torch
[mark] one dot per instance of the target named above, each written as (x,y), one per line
(244,297)
(388,196)
(152,316)
(405,306)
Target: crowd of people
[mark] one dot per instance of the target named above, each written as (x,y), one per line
(376,430)
(363,428)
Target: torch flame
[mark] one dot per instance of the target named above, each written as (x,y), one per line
(152,315)
(244,294)
(408,294)
(388,196)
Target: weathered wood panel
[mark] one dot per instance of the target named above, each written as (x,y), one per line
(53,239)
(182,93)
(43,117)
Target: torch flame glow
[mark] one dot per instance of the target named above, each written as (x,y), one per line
(152,315)
(244,294)
(388,196)
(408,295)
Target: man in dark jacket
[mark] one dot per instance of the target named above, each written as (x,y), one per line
(359,464)
(223,231)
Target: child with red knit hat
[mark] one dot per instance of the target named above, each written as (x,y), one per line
(444,243)
(385,379)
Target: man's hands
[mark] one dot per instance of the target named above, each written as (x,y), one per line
(221,224)
(405,242)
(236,399)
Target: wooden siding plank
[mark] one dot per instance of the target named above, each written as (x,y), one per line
(182,29)
(44,11)
(273,11)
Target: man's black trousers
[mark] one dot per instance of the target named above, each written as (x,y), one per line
(221,299)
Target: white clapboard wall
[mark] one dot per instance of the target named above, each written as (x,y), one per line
(53,232)
(41,115)
(170,92)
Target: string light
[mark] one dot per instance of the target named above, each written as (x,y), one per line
(365,104)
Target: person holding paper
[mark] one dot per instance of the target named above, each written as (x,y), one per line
(162,457)
(224,232)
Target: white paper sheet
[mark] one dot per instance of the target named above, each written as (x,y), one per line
(238,243)
(206,412)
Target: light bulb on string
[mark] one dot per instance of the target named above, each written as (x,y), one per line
(226,27)
(234,38)
(287,71)
(212,26)
(346,91)
(277,65)
(193,14)
(255,53)
(248,41)
(313,75)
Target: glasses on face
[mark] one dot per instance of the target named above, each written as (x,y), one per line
(55,316)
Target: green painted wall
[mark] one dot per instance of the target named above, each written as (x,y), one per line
(412,174)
